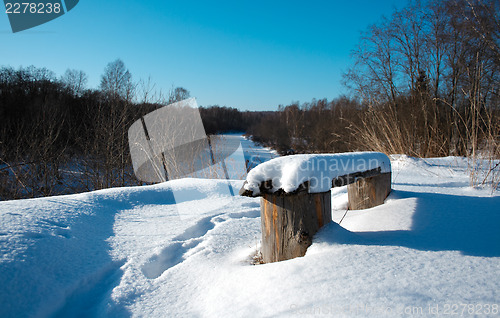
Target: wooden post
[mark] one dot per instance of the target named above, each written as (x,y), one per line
(289,220)
(289,223)
(369,192)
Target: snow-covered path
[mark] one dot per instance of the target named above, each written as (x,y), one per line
(125,252)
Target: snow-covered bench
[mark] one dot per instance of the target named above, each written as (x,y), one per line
(296,199)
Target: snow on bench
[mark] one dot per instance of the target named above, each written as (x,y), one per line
(296,198)
(319,172)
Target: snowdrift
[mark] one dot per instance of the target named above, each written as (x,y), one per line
(127,252)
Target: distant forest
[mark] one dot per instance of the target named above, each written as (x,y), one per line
(424,82)
(57,136)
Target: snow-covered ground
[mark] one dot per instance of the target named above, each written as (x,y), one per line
(433,247)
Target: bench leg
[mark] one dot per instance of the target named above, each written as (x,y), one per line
(369,192)
(289,223)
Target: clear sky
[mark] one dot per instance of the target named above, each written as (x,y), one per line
(251,55)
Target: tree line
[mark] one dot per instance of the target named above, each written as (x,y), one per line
(57,136)
(424,82)
(430,78)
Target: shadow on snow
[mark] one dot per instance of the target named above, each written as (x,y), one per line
(441,222)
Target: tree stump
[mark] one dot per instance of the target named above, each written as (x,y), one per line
(369,192)
(289,223)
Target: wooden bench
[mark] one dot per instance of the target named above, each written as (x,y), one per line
(296,197)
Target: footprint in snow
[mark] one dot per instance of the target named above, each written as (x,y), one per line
(178,251)
(55,223)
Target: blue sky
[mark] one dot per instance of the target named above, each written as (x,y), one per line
(253,55)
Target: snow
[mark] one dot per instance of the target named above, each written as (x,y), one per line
(288,173)
(127,252)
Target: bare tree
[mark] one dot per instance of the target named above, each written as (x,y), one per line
(75,81)
(147,93)
(107,161)
(177,94)
(116,82)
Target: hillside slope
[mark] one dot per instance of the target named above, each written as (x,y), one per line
(434,245)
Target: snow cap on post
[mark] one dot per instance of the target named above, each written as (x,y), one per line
(314,172)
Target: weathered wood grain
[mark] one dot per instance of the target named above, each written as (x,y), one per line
(289,223)
(369,192)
